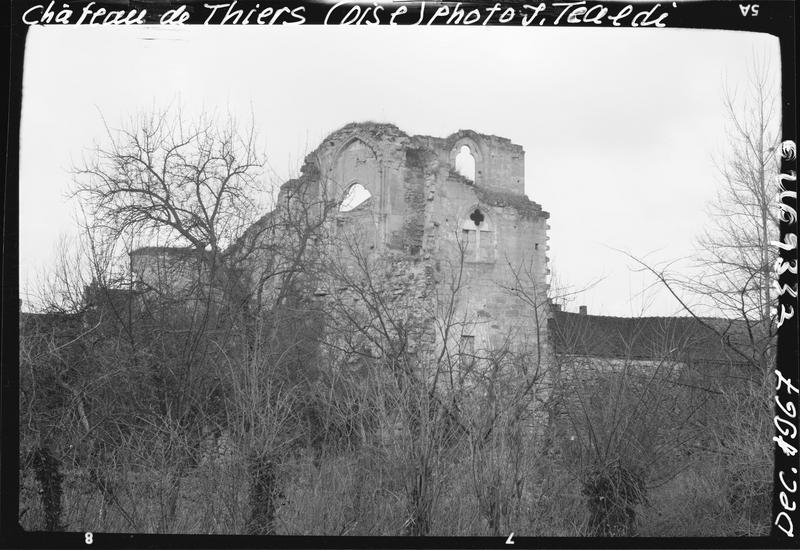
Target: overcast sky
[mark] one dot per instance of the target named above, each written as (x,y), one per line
(619,125)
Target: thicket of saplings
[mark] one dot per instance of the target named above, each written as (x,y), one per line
(136,418)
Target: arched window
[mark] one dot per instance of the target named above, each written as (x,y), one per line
(465,163)
(355,196)
(478,237)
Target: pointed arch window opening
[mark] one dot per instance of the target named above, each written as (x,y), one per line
(355,196)
(478,238)
(465,163)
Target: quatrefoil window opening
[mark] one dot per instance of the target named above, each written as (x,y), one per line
(477,233)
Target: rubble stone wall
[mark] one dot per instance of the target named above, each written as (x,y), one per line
(415,220)
(423,228)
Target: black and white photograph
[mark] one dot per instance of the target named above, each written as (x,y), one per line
(411,280)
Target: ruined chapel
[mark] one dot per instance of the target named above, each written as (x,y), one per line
(445,222)
(437,210)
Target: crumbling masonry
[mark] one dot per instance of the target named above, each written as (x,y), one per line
(432,212)
(418,208)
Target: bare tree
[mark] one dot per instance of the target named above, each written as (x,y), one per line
(735,280)
(628,407)
(161,175)
(385,310)
(734,264)
(157,180)
(510,394)
(67,378)
(163,179)
(736,246)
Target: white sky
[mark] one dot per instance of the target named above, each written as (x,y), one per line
(619,125)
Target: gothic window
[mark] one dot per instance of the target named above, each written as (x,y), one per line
(478,237)
(465,163)
(355,196)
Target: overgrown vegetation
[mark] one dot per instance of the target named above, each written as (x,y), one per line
(281,377)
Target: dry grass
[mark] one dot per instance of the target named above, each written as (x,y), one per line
(360,493)
(697,503)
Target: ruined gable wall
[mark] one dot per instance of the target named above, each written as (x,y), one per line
(372,155)
(418,205)
(499,163)
(494,317)
(412,224)
(373,250)
(517,240)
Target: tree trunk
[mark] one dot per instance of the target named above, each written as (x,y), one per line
(611,495)
(45,466)
(169,509)
(263,495)
(419,524)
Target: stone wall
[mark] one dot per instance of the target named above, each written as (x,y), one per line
(484,236)
(178,268)
(417,234)
(423,240)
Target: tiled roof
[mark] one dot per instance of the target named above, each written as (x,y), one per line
(645,337)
